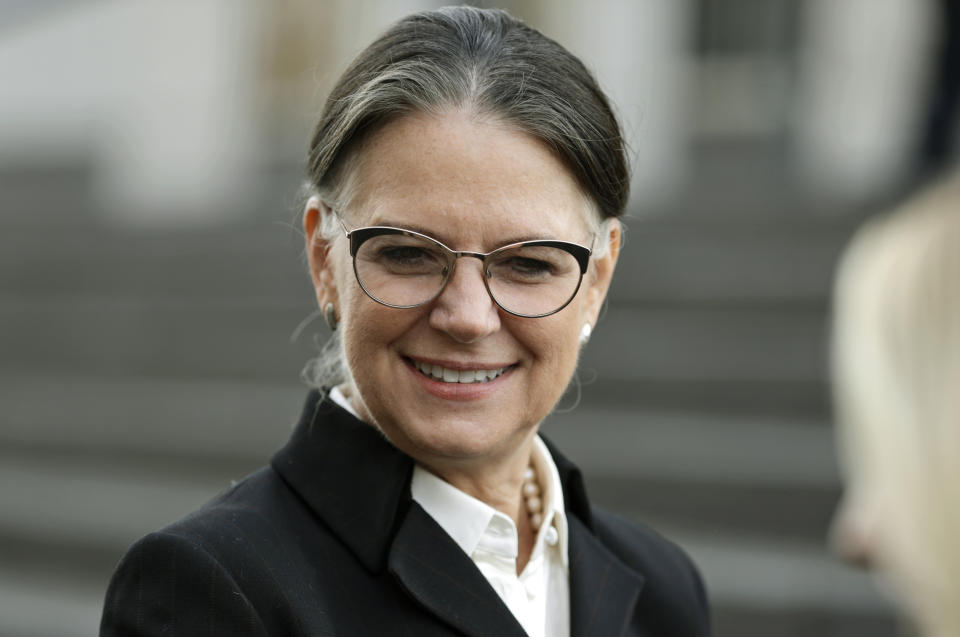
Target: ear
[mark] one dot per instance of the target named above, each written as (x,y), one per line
(318,251)
(598,281)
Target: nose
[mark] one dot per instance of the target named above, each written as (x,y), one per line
(853,532)
(464,309)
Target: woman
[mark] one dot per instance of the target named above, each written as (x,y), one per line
(467,174)
(897,369)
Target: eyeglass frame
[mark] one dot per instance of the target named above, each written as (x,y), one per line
(359,236)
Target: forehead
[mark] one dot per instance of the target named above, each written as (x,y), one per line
(464,180)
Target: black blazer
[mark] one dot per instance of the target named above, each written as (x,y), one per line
(327,541)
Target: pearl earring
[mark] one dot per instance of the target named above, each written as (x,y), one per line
(585,332)
(330,316)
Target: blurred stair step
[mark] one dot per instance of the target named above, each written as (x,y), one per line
(613,441)
(708,344)
(261,259)
(229,338)
(747,260)
(111,418)
(47,608)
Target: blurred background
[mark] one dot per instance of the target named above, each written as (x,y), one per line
(152,282)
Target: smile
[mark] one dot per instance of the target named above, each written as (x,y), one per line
(447,375)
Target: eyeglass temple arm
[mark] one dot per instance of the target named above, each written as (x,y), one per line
(336,215)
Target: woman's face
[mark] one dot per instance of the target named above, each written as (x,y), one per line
(474,185)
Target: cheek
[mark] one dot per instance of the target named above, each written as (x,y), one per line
(370,331)
(369,326)
(553,343)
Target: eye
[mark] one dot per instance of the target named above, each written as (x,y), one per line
(529,267)
(520,269)
(404,255)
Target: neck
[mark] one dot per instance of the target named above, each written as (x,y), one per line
(499,485)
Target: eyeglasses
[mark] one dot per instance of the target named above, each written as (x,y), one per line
(405,269)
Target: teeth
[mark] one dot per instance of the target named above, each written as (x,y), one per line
(458,376)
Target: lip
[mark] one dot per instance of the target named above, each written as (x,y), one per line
(457,365)
(459,391)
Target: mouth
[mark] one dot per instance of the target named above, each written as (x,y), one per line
(458,376)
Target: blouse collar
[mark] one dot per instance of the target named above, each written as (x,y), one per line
(475,525)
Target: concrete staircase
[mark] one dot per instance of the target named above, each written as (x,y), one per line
(142,371)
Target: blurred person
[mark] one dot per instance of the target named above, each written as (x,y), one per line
(897,375)
(466,178)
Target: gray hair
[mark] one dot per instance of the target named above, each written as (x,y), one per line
(491,63)
(487,60)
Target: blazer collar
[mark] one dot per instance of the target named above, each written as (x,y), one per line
(574,492)
(437,573)
(350,475)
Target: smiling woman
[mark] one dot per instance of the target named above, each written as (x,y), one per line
(479,184)
(467,175)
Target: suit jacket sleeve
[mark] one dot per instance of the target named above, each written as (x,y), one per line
(168,585)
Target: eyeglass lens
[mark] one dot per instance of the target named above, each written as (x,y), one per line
(406,271)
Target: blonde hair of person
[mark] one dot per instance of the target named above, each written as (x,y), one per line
(896,365)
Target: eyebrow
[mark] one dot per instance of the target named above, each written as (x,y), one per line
(446,240)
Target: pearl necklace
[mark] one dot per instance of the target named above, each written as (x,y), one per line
(531,495)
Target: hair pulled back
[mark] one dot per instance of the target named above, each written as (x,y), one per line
(487,61)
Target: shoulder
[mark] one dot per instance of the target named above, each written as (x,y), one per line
(253,524)
(672,583)
(639,545)
(212,568)
(168,583)
(261,505)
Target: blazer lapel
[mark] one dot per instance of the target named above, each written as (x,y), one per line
(348,473)
(603,590)
(438,574)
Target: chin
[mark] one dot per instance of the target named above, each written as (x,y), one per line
(429,438)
